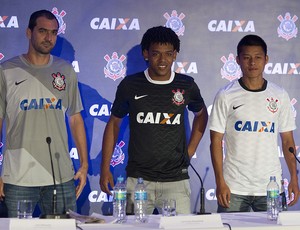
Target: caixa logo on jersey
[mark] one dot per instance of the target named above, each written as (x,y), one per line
(118,155)
(287,28)
(1,155)
(174,21)
(230,70)
(114,68)
(59,16)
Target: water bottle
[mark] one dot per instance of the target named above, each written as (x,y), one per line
(119,201)
(140,201)
(272,199)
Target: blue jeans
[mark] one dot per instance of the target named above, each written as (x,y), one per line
(241,203)
(41,196)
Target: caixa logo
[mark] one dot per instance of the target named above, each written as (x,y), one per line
(231,26)
(1,56)
(96,196)
(1,155)
(9,22)
(282,68)
(211,194)
(115,24)
(185,67)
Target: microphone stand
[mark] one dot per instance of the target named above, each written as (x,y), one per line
(54,214)
(202,194)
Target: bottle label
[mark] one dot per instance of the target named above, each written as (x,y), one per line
(140,196)
(120,195)
(273,193)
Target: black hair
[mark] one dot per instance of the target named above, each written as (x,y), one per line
(41,13)
(161,35)
(251,40)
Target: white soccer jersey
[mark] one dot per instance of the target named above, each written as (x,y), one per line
(251,121)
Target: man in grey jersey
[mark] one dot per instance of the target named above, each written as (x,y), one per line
(38,90)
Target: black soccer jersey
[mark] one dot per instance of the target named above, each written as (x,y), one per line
(157,147)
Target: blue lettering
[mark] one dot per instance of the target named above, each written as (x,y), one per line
(255,126)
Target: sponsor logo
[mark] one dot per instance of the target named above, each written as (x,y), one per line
(9,22)
(1,155)
(238,106)
(293,102)
(272,105)
(100,110)
(114,68)
(178,98)
(255,126)
(96,196)
(115,24)
(118,155)
(174,21)
(59,81)
(19,82)
(230,70)
(231,26)
(1,56)
(287,28)
(42,103)
(282,68)
(62,25)
(158,118)
(139,97)
(185,67)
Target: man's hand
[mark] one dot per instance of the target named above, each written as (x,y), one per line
(106,178)
(82,176)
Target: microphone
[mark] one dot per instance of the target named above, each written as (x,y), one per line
(202,194)
(291,149)
(54,214)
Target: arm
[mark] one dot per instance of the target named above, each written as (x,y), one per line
(287,142)
(1,181)
(78,133)
(110,137)
(222,190)
(199,125)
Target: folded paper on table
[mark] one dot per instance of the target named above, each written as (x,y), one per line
(191,222)
(289,218)
(45,224)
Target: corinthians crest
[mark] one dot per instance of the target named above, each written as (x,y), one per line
(272,104)
(175,22)
(230,70)
(118,155)
(178,98)
(114,68)
(59,81)
(287,28)
(59,17)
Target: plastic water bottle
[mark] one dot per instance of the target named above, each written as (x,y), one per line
(272,199)
(119,201)
(140,201)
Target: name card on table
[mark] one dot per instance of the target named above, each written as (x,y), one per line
(191,222)
(289,218)
(45,224)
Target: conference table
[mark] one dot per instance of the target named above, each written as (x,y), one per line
(235,221)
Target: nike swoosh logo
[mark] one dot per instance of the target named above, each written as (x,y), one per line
(18,83)
(235,107)
(139,97)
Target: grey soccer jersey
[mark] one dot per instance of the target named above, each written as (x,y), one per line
(34,101)
(157,147)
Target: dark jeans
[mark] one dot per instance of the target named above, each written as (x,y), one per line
(41,196)
(241,203)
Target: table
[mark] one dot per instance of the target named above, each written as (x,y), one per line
(237,221)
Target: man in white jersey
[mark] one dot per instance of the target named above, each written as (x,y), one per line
(249,114)
(156,101)
(37,91)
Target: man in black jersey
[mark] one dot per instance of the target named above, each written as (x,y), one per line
(156,100)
